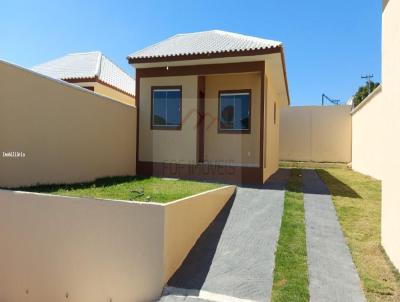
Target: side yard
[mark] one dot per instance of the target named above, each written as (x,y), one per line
(357,199)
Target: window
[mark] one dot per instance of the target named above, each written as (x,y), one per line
(166,108)
(234,111)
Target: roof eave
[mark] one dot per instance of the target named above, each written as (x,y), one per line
(226,54)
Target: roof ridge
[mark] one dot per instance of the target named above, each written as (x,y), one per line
(83,53)
(116,65)
(152,45)
(98,66)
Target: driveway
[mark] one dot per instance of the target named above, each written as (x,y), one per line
(332,273)
(234,258)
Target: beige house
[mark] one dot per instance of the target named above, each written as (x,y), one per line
(93,71)
(208,106)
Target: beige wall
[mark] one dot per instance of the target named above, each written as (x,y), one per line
(185,220)
(93,250)
(177,146)
(367,133)
(232,148)
(314,133)
(96,250)
(68,134)
(391,121)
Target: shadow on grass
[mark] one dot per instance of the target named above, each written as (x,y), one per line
(100,182)
(336,187)
(194,269)
(330,186)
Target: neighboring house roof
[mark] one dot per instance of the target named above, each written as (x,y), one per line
(204,43)
(88,66)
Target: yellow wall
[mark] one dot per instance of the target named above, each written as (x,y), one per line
(108,92)
(232,148)
(271,132)
(367,133)
(112,93)
(96,250)
(319,134)
(67,134)
(391,121)
(174,146)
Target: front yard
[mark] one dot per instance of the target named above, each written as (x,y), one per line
(152,189)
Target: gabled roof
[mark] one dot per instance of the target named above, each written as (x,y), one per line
(88,66)
(204,43)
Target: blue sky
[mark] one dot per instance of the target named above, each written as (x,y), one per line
(328,44)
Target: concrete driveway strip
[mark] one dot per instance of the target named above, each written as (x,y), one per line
(332,274)
(234,258)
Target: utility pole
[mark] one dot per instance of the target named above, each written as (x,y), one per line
(369,77)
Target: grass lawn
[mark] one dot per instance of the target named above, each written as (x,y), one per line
(291,272)
(357,199)
(129,188)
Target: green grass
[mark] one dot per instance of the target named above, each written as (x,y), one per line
(291,272)
(357,199)
(129,188)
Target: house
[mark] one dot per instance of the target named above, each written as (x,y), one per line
(208,106)
(93,71)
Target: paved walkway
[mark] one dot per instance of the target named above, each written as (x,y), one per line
(234,258)
(332,274)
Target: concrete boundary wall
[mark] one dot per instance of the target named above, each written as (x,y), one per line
(315,133)
(367,135)
(56,247)
(55,132)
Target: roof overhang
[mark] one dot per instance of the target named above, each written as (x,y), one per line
(274,57)
(213,55)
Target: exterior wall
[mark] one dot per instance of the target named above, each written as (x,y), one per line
(319,134)
(108,92)
(67,134)
(114,94)
(271,132)
(232,148)
(176,146)
(96,250)
(185,220)
(367,140)
(391,165)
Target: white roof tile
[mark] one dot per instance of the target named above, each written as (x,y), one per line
(207,42)
(88,65)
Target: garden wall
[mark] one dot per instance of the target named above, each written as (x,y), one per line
(55,247)
(391,133)
(367,135)
(55,132)
(315,133)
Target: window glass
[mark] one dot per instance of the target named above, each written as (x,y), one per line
(227,110)
(234,111)
(167,107)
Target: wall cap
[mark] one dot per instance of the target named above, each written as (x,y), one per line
(370,97)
